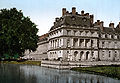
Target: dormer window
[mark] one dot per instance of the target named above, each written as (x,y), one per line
(68,32)
(84,19)
(61,19)
(73,18)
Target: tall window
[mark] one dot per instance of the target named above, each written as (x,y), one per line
(75,42)
(109,53)
(103,54)
(115,53)
(68,42)
(112,36)
(103,44)
(106,36)
(92,33)
(92,43)
(115,44)
(118,37)
(80,32)
(68,32)
(86,33)
(75,32)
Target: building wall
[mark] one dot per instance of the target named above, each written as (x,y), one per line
(74,37)
(75,44)
(78,44)
(40,53)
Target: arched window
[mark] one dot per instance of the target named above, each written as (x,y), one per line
(115,53)
(87,53)
(73,18)
(106,36)
(75,41)
(68,42)
(75,54)
(109,53)
(68,32)
(103,54)
(112,36)
(103,44)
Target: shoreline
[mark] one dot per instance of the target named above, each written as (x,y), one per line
(28,62)
(109,71)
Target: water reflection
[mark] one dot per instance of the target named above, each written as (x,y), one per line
(36,74)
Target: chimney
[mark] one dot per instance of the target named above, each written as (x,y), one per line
(73,10)
(111,25)
(119,24)
(91,19)
(102,25)
(56,19)
(87,14)
(82,12)
(98,22)
(63,11)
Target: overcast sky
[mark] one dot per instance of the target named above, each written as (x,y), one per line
(44,12)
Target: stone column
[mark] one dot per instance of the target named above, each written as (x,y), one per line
(72,42)
(52,44)
(49,47)
(57,43)
(78,42)
(60,42)
(90,43)
(84,42)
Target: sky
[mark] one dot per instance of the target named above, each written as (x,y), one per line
(44,12)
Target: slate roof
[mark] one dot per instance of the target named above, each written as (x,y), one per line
(110,30)
(72,20)
(83,21)
(43,37)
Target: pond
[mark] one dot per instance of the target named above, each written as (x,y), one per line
(11,73)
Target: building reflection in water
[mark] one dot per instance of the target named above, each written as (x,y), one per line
(36,74)
(47,75)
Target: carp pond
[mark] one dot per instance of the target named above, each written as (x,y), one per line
(12,73)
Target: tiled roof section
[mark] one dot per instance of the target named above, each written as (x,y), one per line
(110,30)
(117,30)
(72,20)
(77,21)
(43,37)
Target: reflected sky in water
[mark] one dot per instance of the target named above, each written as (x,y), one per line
(36,74)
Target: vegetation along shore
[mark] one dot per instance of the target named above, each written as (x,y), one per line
(29,62)
(110,71)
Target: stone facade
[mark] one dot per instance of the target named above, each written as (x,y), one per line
(41,51)
(75,37)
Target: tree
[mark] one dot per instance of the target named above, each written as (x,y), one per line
(17,33)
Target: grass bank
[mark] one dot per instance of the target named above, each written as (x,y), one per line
(23,62)
(110,71)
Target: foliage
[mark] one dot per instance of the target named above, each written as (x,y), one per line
(24,62)
(111,71)
(17,33)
